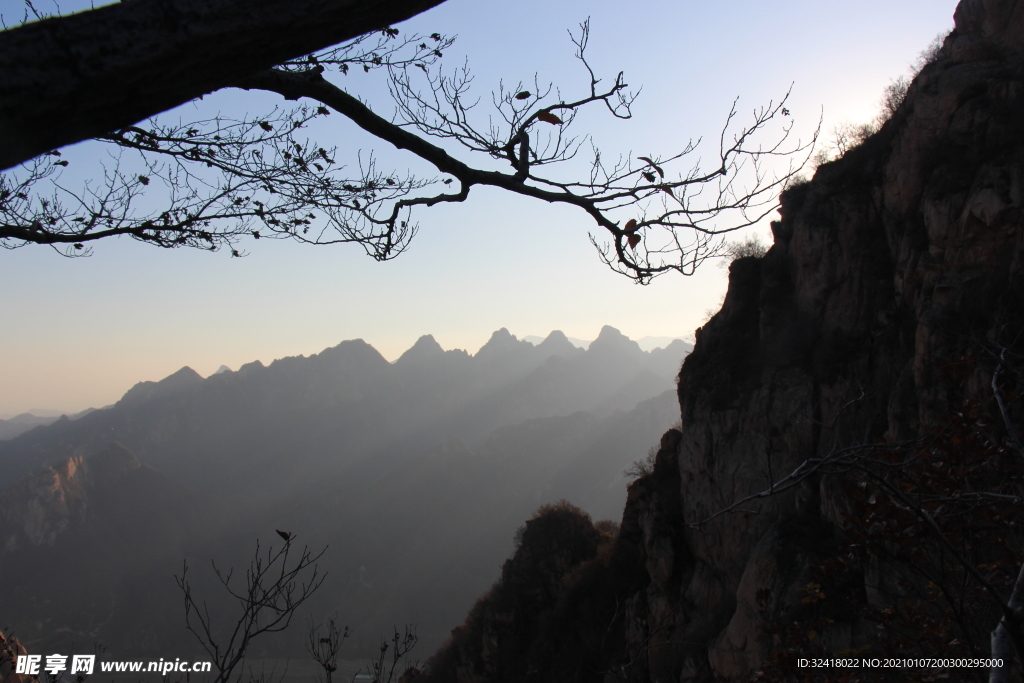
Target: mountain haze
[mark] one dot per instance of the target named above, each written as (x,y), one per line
(19,424)
(415,473)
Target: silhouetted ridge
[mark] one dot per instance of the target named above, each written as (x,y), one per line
(352,351)
(509,623)
(185,378)
(501,345)
(674,347)
(180,382)
(557,344)
(425,349)
(435,459)
(250,367)
(610,340)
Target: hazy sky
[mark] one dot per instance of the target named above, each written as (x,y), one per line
(79,332)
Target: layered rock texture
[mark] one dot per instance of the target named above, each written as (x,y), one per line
(876,333)
(54,498)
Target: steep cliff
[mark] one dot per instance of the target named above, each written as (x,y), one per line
(55,498)
(85,546)
(851,377)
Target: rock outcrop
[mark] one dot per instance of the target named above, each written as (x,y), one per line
(897,261)
(10,650)
(868,336)
(57,497)
(504,634)
(87,549)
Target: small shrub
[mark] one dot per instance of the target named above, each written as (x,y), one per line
(930,54)
(896,92)
(892,97)
(607,528)
(549,516)
(822,157)
(800,179)
(752,246)
(644,466)
(846,136)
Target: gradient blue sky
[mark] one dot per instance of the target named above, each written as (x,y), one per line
(78,333)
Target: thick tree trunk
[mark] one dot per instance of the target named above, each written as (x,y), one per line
(68,79)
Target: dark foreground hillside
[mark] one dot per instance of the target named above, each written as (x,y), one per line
(853,377)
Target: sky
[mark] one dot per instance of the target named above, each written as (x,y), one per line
(78,333)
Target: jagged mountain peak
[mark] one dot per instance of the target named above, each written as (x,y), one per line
(609,332)
(426,348)
(555,337)
(610,340)
(186,376)
(557,344)
(250,367)
(352,350)
(501,343)
(181,381)
(502,336)
(677,347)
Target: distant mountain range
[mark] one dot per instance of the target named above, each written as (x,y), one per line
(647,343)
(416,474)
(19,424)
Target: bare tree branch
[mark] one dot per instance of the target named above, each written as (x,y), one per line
(68,79)
(400,646)
(276,585)
(225,180)
(324,642)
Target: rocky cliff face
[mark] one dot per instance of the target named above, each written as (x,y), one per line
(873,327)
(894,263)
(87,546)
(10,650)
(55,498)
